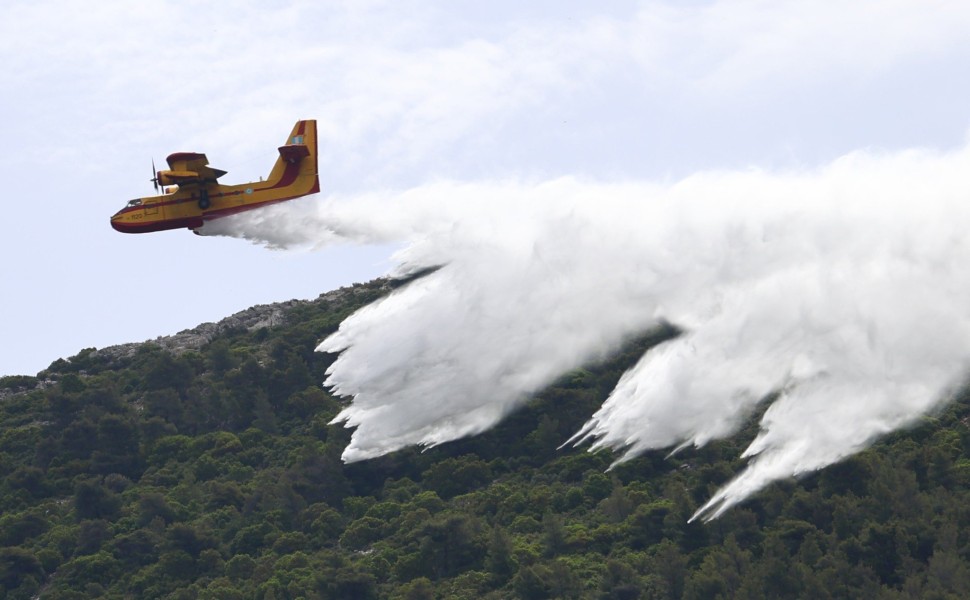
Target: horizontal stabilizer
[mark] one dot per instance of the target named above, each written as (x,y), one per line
(294,153)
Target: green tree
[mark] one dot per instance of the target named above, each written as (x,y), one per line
(450,543)
(553,534)
(167,371)
(92,500)
(499,559)
(117,450)
(17,566)
(453,476)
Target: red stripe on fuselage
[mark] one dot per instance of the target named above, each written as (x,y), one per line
(189,222)
(289,176)
(194,222)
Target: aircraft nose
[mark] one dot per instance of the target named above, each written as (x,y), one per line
(118,225)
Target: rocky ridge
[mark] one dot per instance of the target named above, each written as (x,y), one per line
(251,319)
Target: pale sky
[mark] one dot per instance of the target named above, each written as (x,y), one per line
(407,93)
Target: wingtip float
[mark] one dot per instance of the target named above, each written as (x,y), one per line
(192,195)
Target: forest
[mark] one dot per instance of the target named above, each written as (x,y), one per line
(213,473)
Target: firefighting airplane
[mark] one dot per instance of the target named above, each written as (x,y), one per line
(195,196)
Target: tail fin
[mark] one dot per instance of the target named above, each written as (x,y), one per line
(298,157)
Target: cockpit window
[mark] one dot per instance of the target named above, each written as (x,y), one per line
(134,203)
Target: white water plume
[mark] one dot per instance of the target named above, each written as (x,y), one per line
(842,290)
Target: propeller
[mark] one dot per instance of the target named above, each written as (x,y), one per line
(154,178)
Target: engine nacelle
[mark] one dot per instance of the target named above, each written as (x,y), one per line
(176,177)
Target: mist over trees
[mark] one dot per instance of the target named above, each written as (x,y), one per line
(214,474)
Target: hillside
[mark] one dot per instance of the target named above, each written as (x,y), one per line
(202,466)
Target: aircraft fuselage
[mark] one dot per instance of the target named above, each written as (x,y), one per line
(194,202)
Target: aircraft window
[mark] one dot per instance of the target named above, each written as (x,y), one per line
(134,203)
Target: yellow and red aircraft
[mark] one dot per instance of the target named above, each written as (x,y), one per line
(195,196)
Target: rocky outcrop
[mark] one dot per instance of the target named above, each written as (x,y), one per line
(256,317)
